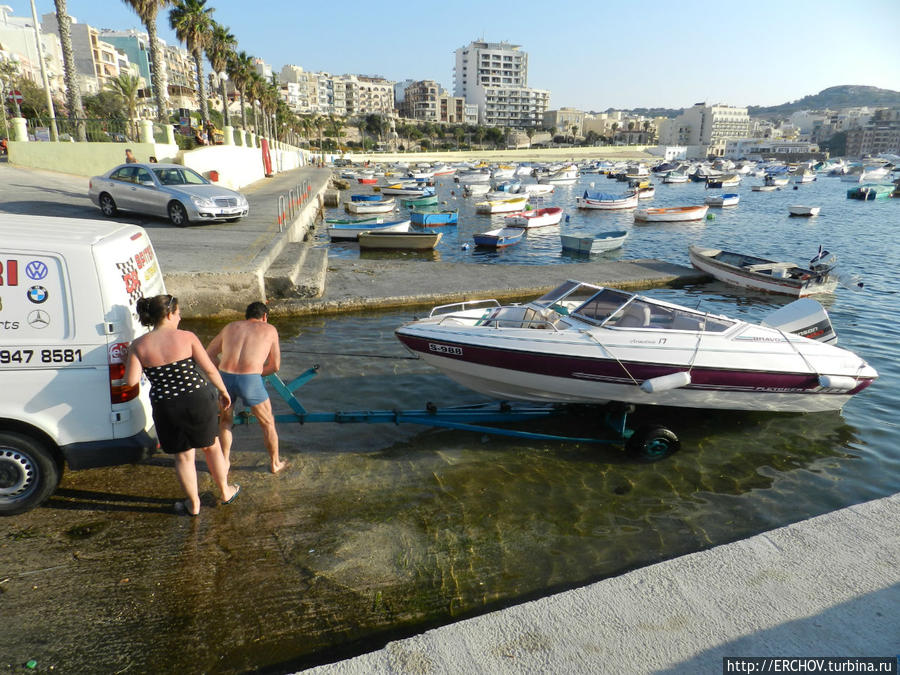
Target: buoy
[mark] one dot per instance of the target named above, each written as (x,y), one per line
(567,217)
(666,382)
(465,247)
(710,216)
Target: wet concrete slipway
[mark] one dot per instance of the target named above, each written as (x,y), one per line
(328,560)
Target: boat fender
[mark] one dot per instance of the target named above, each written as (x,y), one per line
(666,382)
(841,382)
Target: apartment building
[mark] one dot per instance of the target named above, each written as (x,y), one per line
(18,44)
(427,100)
(880,135)
(494,76)
(563,120)
(706,126)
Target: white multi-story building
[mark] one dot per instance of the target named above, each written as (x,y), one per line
(494,76)
(18,44)
(706,128)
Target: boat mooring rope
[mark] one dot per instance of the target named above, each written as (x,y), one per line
(368,356)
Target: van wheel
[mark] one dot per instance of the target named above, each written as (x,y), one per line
(178,214)
(28,473)
(108,205)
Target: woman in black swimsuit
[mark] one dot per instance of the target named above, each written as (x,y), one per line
(185,412)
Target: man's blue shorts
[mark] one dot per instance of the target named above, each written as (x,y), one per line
(247,386)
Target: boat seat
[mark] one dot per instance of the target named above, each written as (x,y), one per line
(682,322)
(636,316)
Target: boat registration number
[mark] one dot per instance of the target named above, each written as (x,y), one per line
(445,349)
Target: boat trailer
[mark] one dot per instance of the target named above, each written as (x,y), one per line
(647,444)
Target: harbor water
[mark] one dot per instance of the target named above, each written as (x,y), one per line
(379,531)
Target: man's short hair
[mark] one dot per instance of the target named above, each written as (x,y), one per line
(256,310)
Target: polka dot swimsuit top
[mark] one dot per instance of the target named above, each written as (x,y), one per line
(173,379)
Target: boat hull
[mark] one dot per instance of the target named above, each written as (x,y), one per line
(671,214)
(351,232)
(414,241)
(604,241)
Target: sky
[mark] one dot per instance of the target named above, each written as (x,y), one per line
(590,55)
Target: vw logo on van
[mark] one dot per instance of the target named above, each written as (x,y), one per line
(36,270)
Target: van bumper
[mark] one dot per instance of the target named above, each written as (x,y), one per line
(111,452)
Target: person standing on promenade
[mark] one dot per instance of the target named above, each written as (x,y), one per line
(245,351)
(184,406)
(129,156)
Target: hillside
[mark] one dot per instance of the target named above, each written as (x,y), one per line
(843,96)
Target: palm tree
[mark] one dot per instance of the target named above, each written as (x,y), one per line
(147,11)
(239,67)
(126,86)
(255,90)
(192,22)
(574,132)
(73,91)
(337,128)
(530,133)
(219,49)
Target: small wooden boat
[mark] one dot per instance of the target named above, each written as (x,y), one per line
(600,242)
(606,201)
(536,218)
(727,180)
(763,188)
(367,180)
(800,210)
(727,199)
(377,206)
(351,231)
(410,189)
(671,214)
(416,241)
(675,177)
(565,176)
(776,180)
(499,238)
(537,188)
(420,201)
(352,221)
(433,215)
(766,275)
(365,198)
(870,191)
(476,189)
(502,205)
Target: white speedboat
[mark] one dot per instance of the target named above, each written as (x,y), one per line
(582,343)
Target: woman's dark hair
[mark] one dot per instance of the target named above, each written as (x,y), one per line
(151,311)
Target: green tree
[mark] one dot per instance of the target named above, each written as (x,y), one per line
(73,91)
(126,86)
(105,105)
(147,11)
(192,22)
(530,133)
(219,49)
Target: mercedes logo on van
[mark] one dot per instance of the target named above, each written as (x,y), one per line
(38,319)
(36,270)
(38,294)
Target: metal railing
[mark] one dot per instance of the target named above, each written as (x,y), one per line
(289,205)
(95,130)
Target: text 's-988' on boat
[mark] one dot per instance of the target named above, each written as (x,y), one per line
(582,343)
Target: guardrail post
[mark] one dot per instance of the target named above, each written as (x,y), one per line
(281,213)
(291,202)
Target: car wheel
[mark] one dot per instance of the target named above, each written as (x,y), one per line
(108,205)
(28,473)
(178,214)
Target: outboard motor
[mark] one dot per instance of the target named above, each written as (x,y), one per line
(804,317)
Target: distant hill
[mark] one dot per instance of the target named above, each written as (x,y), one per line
(844,96)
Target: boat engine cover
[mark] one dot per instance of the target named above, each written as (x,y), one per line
(804,317)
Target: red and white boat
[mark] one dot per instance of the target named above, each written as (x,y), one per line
(670,214)
(536,218)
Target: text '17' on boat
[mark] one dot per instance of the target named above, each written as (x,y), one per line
(582,343)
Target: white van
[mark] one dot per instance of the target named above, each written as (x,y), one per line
(68,289)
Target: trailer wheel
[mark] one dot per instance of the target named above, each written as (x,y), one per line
(28,473)
(652,443)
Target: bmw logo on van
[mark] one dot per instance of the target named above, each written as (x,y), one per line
(38,294)
(36,270)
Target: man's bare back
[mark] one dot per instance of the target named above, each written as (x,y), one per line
(248,346)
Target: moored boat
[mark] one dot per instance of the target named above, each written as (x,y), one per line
(425,200)
(415,241)
(376,206)
(598,243)
(500,237)
(727,199)
(760,274)
(801,210)
(870,191)
(433,215)
(535,218)
(671,214)
(502,205)
(351,231)
(606,201)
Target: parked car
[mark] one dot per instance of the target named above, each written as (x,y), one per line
(167,190)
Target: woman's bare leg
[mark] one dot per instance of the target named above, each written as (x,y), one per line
(186,471)
(218,468)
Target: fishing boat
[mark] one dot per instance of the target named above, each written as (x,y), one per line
(351,231)
(771,276)
(425,200)
(606,201)
(499,238)
(535,218)
(671,214)
(763,188)
(502,205)
(801,210)
(537,188)
(727,180)
(870,191)
(804,175)
(413,241)
(476,188)
(599,243)
(367,180)
(353,221)
(433,215)
(409,189)
(776,180)
(675,177)
(582,343)
(727,199)
(565,176)
(377,206)
(365,198)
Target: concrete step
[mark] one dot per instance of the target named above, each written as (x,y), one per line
(297,272)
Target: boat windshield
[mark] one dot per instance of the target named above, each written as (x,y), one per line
(574,292)
(643,313)
(601,305)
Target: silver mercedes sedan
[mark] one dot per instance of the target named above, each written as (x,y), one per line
(169,190)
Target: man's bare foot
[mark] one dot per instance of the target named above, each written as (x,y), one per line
(279,465)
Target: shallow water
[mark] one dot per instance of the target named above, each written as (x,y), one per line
(381,530)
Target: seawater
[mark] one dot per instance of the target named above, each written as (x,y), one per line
(399,528)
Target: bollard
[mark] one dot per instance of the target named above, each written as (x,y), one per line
(292,201)
(281,213)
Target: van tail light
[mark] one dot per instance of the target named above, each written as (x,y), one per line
(119,391)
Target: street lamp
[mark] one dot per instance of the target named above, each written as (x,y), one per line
(223,81)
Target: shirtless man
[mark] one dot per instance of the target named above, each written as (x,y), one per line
(244,351)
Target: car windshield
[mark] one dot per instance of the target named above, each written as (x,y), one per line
(179,176)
